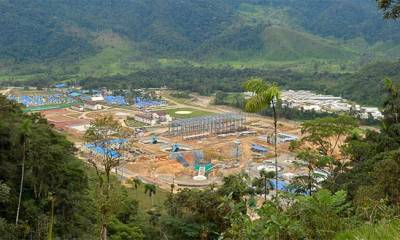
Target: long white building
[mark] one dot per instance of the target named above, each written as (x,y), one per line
(308,100)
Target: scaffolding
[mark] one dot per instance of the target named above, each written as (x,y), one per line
(214,124)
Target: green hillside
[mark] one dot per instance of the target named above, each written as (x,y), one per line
(286,44)
(65,40)
(272,45)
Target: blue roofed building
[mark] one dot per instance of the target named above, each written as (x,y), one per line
(74,94)
(258,148)
(60,85)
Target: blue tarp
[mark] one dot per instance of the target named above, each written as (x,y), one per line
(284,186)
(182,160)
(281,185)
(142,103)
(74,94)
(39,100)
(198,156)
(116,100)
(60,85)
(175,147)
(258,148)
(103,150)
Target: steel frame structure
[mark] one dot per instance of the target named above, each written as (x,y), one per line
(214,124)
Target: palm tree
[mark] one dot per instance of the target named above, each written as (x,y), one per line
(265,95)
(151,190)
(262,184)
(266,176)
(25,131)
(136,183)
(172,188)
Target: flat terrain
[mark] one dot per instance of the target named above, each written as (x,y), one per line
(154,163)
(181,113)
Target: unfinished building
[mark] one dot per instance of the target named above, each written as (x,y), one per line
(202,126)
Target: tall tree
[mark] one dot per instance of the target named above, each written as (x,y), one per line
(103,136)
(308,183)
(150,189)
(238,186)
(136,183)
(25,131)
(263,184)
(49,166)
(265,95)
(327,135)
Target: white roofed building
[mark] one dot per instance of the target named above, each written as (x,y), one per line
(92,105)
(97,98)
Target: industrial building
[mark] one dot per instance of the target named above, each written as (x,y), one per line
(92,105)
(214,124)
(78,107)
(153,118)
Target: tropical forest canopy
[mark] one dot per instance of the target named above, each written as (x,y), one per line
(195,29)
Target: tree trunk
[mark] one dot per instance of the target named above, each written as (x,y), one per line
(265,189)
(21,183)
(103,232)
(104,223)
(275,150)
(310,180)
(50,234)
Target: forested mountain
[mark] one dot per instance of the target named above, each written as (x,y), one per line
(322,43)
(270,29)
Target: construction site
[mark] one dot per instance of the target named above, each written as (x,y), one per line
(203,126)
(200,156)
(202,144)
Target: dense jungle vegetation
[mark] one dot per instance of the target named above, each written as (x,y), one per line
(363,86)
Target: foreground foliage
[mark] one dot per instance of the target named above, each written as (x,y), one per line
(54,179)
(358,199)
(50,169)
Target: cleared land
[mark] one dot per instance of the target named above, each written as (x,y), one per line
(228,153)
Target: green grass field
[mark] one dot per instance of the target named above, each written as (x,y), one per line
(48,107)
(145,201)
(133,123)
(190,113)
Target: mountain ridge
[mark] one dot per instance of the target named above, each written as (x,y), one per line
(217,32)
